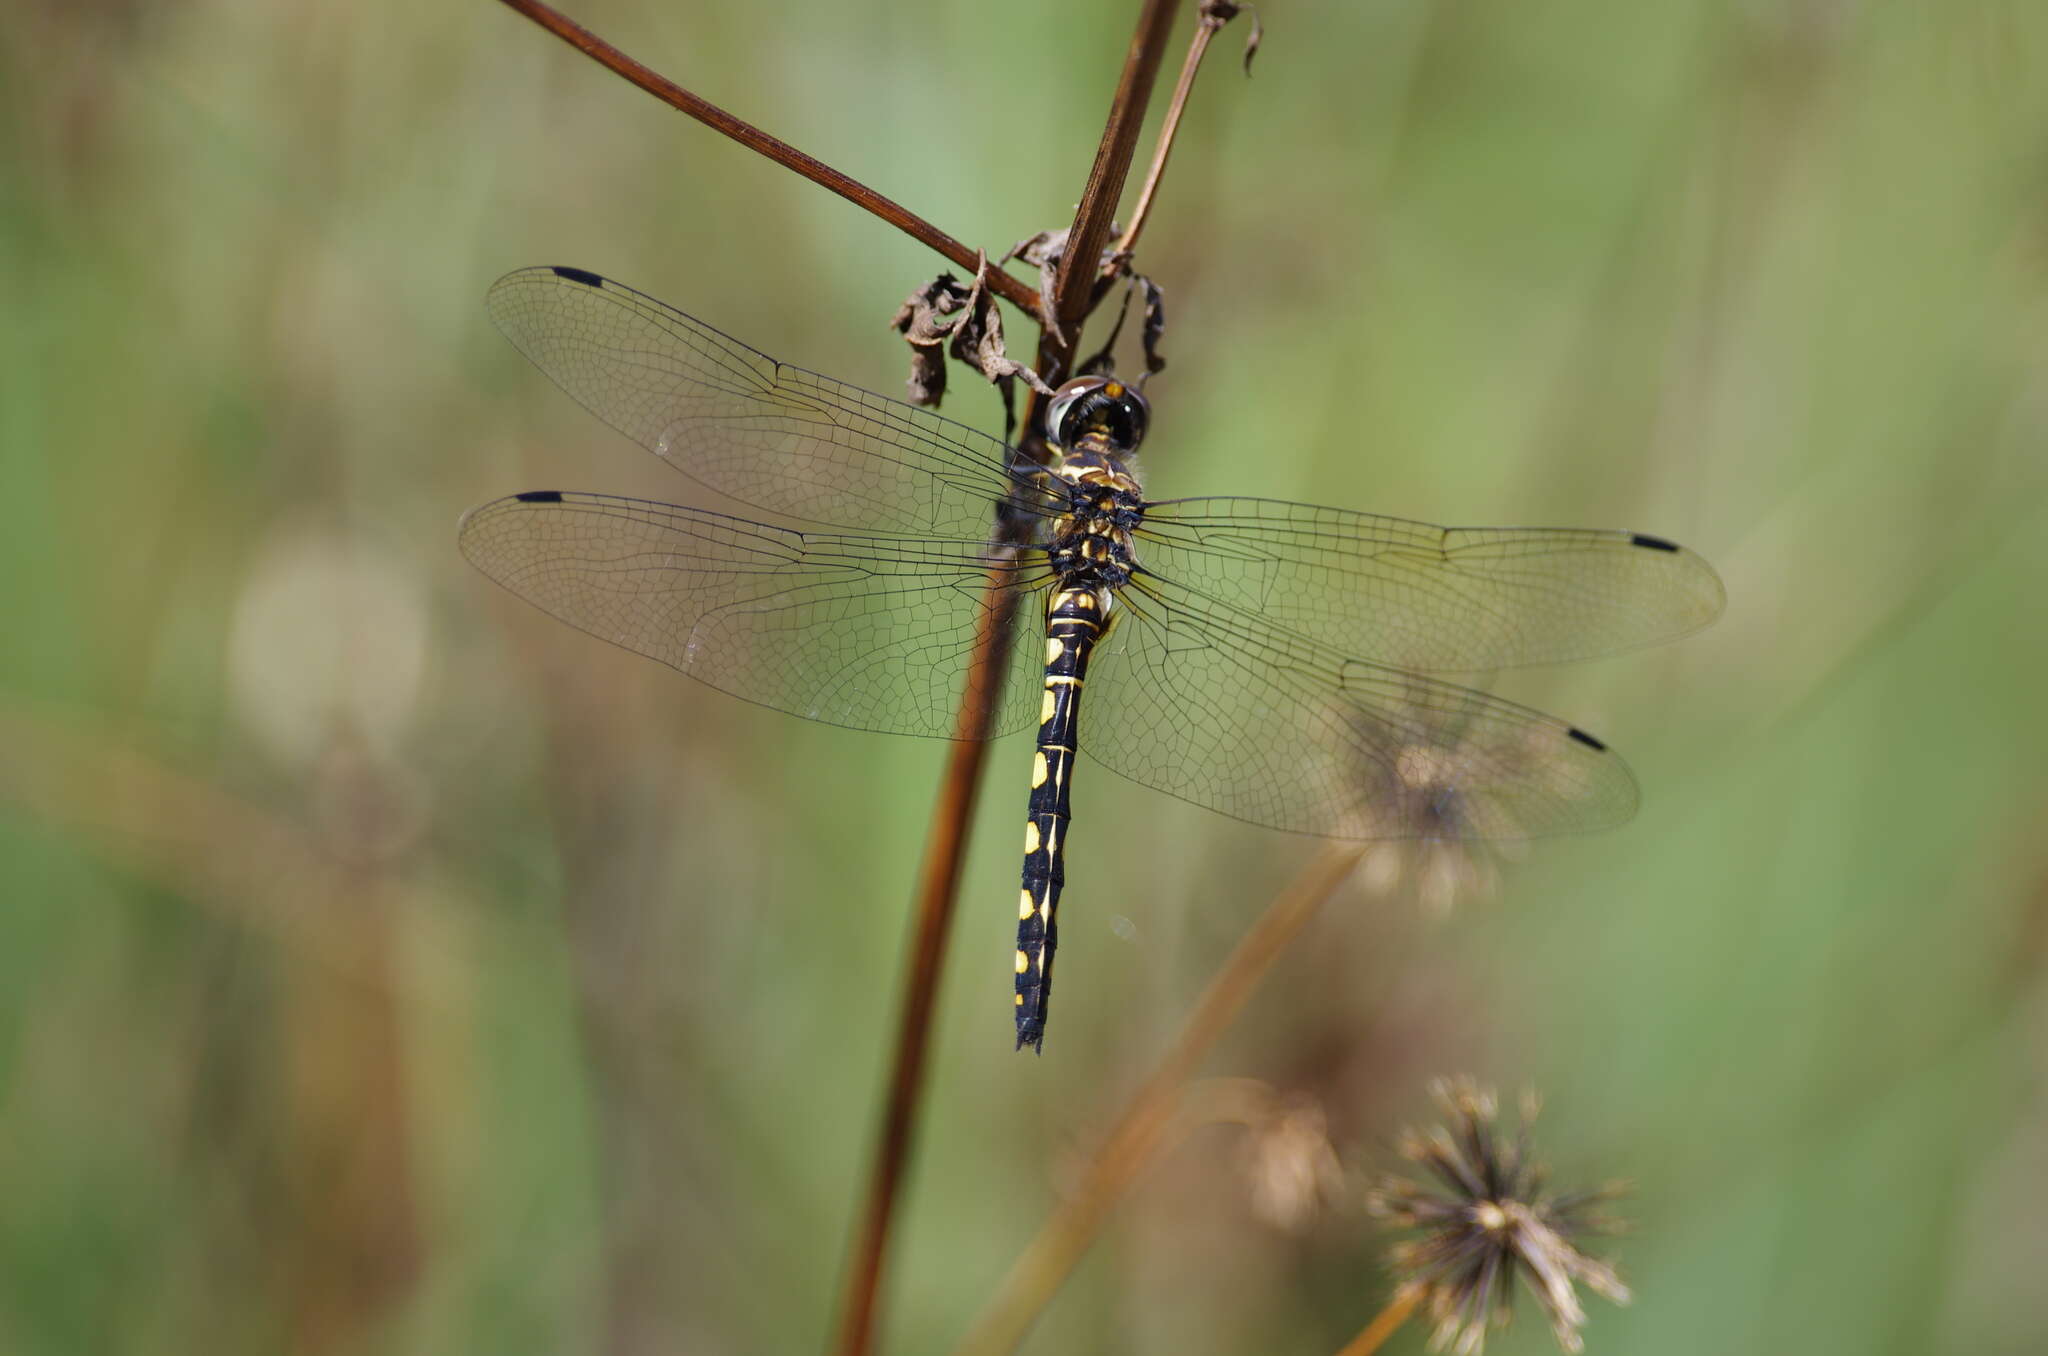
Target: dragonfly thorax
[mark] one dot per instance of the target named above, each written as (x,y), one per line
(1090,544)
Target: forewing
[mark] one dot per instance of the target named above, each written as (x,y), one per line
(1415,596)
(765,433)
(1212,703)
(876,633)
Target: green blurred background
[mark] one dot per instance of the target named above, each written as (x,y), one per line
(385,967)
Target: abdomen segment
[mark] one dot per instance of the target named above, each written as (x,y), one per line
(1074,620)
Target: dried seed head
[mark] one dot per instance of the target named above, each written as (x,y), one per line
(1442,875)
(1290,1165)
(1485,1218)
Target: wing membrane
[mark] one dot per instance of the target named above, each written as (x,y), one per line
(1268,659)
(876,633)
(1214,704)
(767,434)
(1416,596)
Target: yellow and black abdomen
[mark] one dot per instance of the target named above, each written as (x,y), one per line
(1075,618)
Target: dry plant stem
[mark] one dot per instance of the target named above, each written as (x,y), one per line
(222,852)
(1131,1144)
(244,864)
(938,887)
(781,152)
(1381,1328)
(938,890)
(1073,288)
(1197,49)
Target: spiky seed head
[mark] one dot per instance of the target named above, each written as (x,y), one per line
(1486,1218)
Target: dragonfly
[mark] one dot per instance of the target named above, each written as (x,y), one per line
(1273,661)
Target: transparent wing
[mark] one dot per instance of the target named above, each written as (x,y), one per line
(871,632)
(1415,596)
(1212,703)
(767,434)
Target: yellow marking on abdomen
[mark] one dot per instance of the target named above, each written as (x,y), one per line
(1037,770)
(1053,646)
(1025,908)
(1023,962)
(1045,709)
(1030,836)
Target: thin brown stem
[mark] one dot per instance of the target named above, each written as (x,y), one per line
(781,152)
(938,886)
(1375,1333)
(1073,288)
(1138,1133)
(938,890)
(222,852)
(1213,20)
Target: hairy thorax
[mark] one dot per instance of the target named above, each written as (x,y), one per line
(1091,544)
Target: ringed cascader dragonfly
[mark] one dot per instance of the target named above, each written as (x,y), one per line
(1264,659)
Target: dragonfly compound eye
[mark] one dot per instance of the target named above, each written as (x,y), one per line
(1104,406)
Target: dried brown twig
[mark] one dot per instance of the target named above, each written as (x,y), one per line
(1061,311)
(1140,1130)
(781,152)
(1388,1321)
(938,885)
(1074,292)
(938,890)
(1215,14)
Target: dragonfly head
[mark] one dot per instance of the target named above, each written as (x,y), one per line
(1099,410)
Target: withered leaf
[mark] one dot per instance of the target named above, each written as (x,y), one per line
(942,317)
(921,320)
(1220,12)
(1043,252)
(1104,359)
(1155,323)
